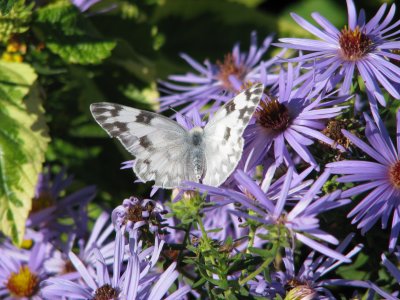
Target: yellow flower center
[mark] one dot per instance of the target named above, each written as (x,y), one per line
(27,244)
(23,284)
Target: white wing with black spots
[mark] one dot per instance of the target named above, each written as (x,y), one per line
(169,154)
(223,135)
(158,143)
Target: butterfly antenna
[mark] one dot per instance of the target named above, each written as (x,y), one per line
(178,113)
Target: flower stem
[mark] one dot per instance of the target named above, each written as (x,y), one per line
(205,238)
(252,235)
(262,267)
(184,243)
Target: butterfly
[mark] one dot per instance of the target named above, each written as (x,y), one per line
(168,153)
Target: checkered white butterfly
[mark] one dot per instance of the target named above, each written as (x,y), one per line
(168,153)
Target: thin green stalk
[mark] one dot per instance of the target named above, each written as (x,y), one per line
(262,267)
(205,238)
(252,235)
(184,243)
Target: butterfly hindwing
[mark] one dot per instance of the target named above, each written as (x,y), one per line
(158,143)
(223,135)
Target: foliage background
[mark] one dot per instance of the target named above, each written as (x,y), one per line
(56,60)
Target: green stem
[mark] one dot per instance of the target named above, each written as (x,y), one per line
(184,243)
(252,235)
(205,239)
(262,267)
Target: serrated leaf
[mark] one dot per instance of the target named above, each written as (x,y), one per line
(81,50)
(69,35)
(14,18)
(23,141)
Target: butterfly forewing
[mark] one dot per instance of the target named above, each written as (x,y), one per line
(159,144)
(168,154)
(223,135)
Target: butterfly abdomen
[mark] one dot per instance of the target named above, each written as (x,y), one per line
(197,154)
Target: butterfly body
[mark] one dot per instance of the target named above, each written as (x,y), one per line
(198,158)
(168,153)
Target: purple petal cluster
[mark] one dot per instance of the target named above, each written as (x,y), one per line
(300,222)
(137,281)
(308,282)
(365,47)
(22,271)
(290,117)
(134,214)
(218,81)
(380,177)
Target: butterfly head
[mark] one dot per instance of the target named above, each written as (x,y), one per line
(196,134)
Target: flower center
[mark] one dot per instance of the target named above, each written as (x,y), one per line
(354,44)
(27,244)
(135,213)
(23,284)
(229,68)
(106,292)
(333,130)
(273,115)
(394,173)
(44,200)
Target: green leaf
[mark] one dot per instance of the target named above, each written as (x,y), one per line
(14,18)
(15,81)
(355,271)
(69,35)
(81,50)
(6,6)
(23,141)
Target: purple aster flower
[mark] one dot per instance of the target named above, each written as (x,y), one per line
(22,272)
(381,177)
(308,282)
(133,214)
(289,116)
(220,81)
(136,282)
(368,47)
(300,223)
(221,214)
(48,208)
